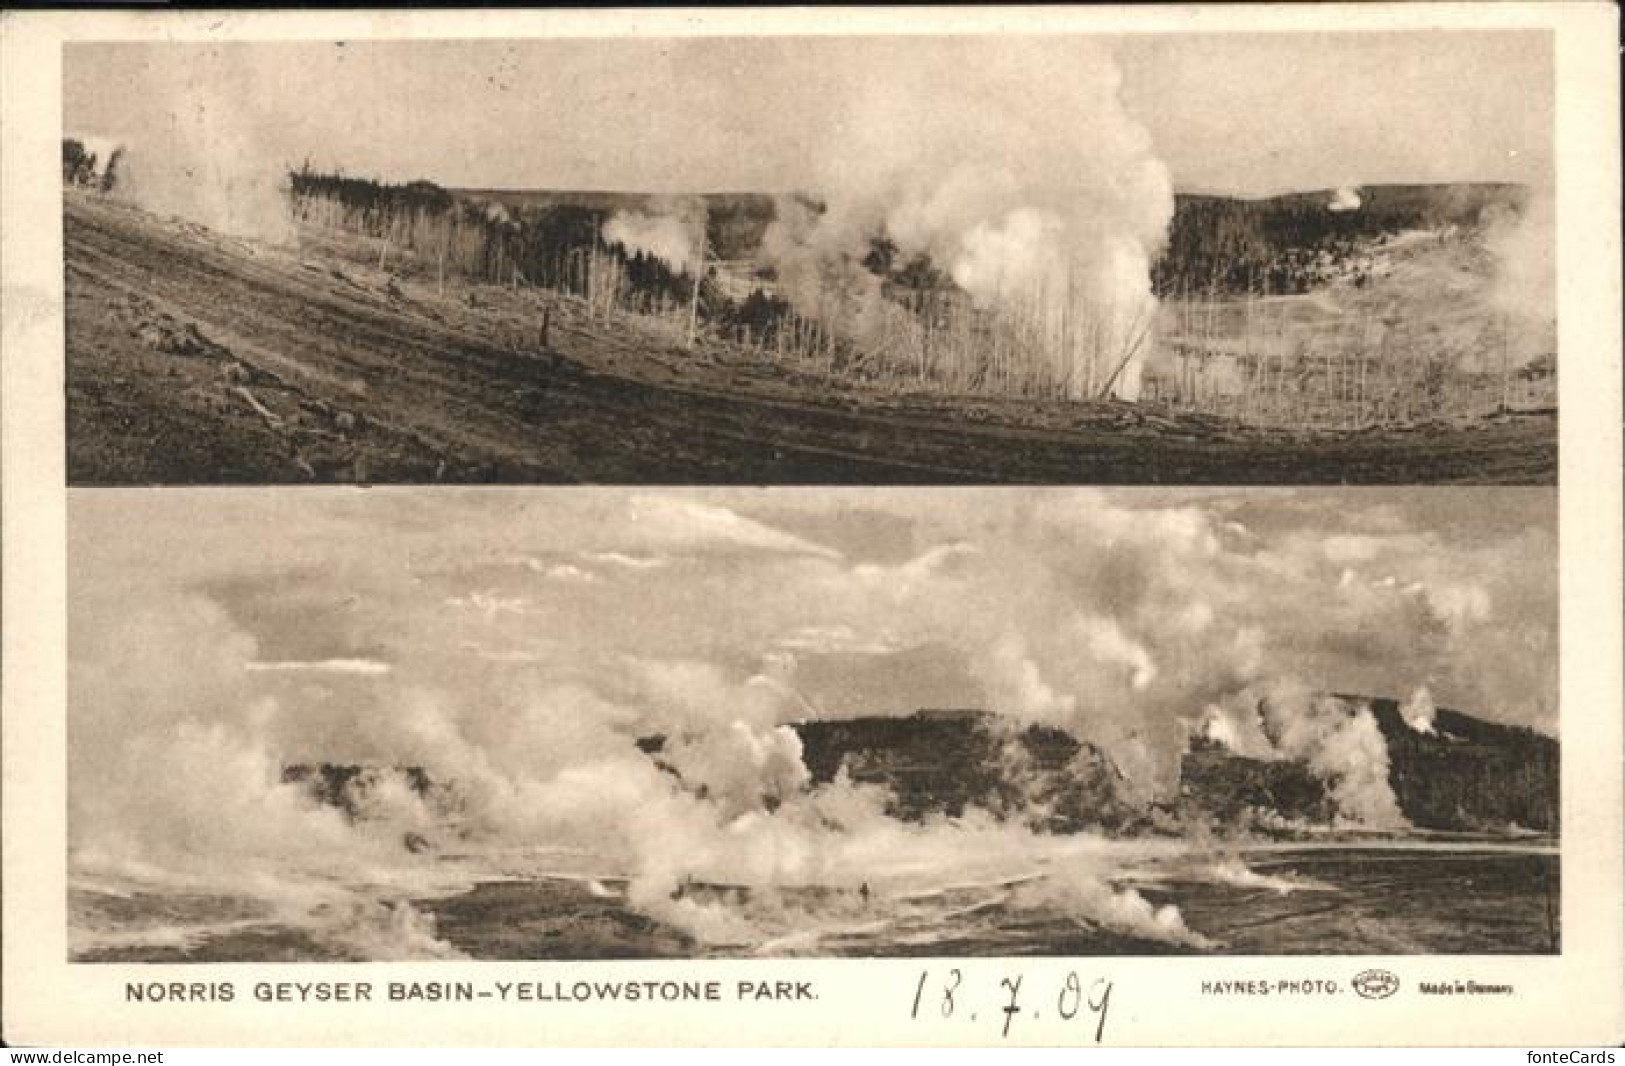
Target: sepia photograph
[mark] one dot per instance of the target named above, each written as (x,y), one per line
(1053,258)
(688,527)
(612,723)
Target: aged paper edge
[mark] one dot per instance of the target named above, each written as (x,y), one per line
(1578,997)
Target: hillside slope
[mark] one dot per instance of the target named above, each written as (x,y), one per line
(196,358)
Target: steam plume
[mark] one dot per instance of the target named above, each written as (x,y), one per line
(1418,710)
(666,237)
(1523,247)
(1346,198)
(1341,744)
(1012,164)
(197,154)
(715,619)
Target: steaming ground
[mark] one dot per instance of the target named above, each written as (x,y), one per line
(496,665)
(1345,899)
(197,358)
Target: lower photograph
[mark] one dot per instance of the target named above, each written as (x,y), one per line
(345,724)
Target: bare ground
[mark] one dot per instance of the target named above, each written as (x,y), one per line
(195,358)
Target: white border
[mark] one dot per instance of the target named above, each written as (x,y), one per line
(1576,998)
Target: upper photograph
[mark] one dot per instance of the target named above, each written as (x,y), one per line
(1161,258)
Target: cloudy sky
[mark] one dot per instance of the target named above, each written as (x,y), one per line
(1251,113)
(337,624)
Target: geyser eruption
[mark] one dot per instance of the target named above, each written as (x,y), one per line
(525,667)
(1015,204)
(1338,741)
(666,236)
(1346,198)
(1418,711)
(1012,165)
(199,151)
(1523,293)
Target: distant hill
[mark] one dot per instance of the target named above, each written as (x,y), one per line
(1217,244)
(1228,246)
(1467,775)
(1233,790)
(734,226)
(1223,245)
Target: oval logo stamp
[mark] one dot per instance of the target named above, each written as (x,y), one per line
(1376,984)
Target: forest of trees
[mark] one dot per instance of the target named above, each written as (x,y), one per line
(553,246)
(84,165)
(559,244)
(1222,246)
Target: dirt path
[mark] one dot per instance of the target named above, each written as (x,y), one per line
(193,358)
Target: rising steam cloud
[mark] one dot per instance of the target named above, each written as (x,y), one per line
(1340,743)
(196,150)
(1523,291)
(1012,164)
(668,237)
(1009,161)
(1418,711)
(1346,198)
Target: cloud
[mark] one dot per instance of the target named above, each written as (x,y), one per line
(570,574)
(630,562)
(490,604)
(364,667)
(1107,642)
(677,522)
(837,639)
(1015,686)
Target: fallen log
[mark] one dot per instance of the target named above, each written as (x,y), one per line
(272,419)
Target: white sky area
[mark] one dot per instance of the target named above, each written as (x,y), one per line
(1247,114)
(1116,613)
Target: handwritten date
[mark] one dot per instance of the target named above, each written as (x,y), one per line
(946,995)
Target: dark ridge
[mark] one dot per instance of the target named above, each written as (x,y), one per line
(1471,774)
